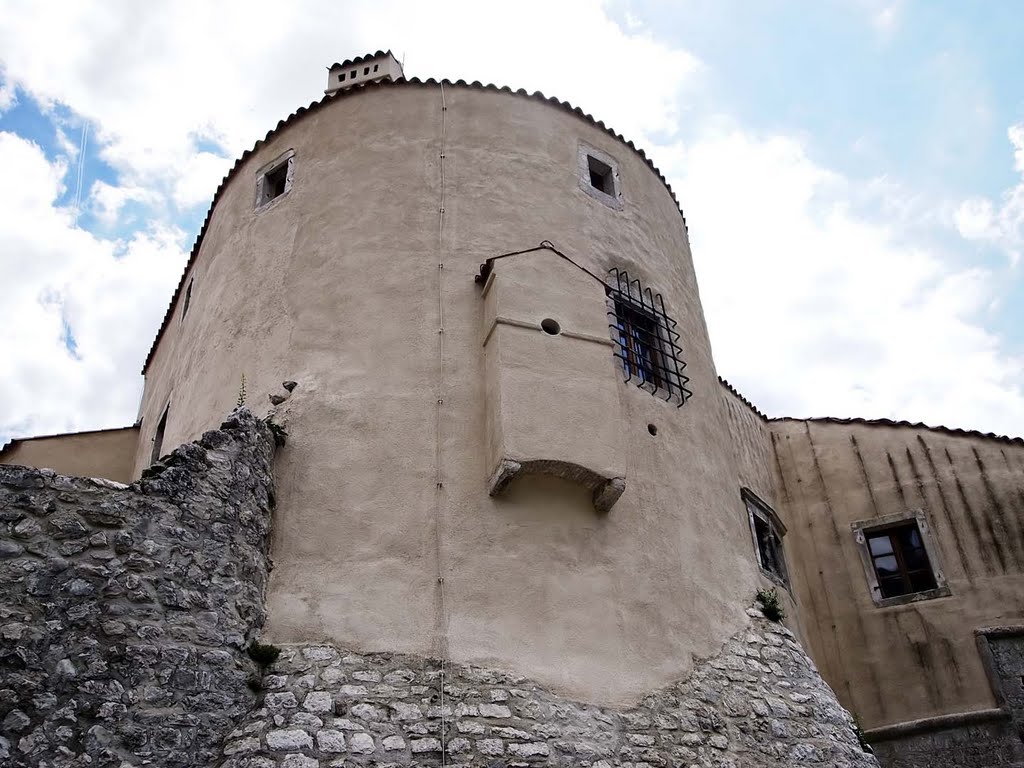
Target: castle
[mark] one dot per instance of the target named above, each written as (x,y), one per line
(519,519)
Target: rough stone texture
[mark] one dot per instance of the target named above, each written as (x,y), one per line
(985,745)
(125,610)
(760,702)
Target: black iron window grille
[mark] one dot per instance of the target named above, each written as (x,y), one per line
(646,341)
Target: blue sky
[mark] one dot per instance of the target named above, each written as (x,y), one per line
(847,169)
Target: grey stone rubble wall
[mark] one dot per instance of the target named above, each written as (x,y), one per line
(125,610)
(760,702)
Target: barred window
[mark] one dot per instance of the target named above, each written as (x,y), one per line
(646,342)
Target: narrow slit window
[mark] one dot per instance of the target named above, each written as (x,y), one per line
(158,437)
(188,299)
(375,67)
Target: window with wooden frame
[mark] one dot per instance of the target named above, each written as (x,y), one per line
(767,532)
(900,559)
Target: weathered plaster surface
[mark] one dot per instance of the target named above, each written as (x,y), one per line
(108,453)
(125,611)
(906,662)
(339,288)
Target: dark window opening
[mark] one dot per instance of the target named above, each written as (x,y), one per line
(366,70)
(353,73)
(275,183)
(768,533)
(638,340)
(601,177)
(646,341)
(900,560)
(341,77)
(158,438)
(375,67)
(188,299)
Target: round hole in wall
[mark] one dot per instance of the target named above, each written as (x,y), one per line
(550,326)
(652,429)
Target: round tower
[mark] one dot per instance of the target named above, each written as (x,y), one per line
(508,443)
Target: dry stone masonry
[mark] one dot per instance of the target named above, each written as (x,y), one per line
(760,702)
(125,611)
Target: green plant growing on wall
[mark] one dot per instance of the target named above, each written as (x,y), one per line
(770,606)
(859,733)
(241,393)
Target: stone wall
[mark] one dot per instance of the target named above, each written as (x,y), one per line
(125,611)
(760,702)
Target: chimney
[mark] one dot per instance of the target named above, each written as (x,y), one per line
(371,68)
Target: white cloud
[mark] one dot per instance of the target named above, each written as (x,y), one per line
(815,310)
(153,77)
(815,306)
(111,295)
(1002,223)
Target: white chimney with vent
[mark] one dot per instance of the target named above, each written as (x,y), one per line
(371,68)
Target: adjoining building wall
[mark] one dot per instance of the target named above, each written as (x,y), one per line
(899,660)
(757,471)
(337,286)
(106,453)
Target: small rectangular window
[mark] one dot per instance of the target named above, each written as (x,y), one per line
(275,179)
(188,299)
(341,77)
(767,531)
(366,70)
(375,67)
(158,436)
(900,561)
(639,342)
(601,177)
(353,73)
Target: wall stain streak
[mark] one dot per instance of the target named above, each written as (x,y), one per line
(919,639)
(965,562)
(951,664)
(896,480)
(1010,538)
(815,578)
(861,634)
(864,472)
(993,544)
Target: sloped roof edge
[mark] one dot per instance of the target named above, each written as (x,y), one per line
(741,398)
(360,59)
(894,423)
(349,93)
(14,441)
